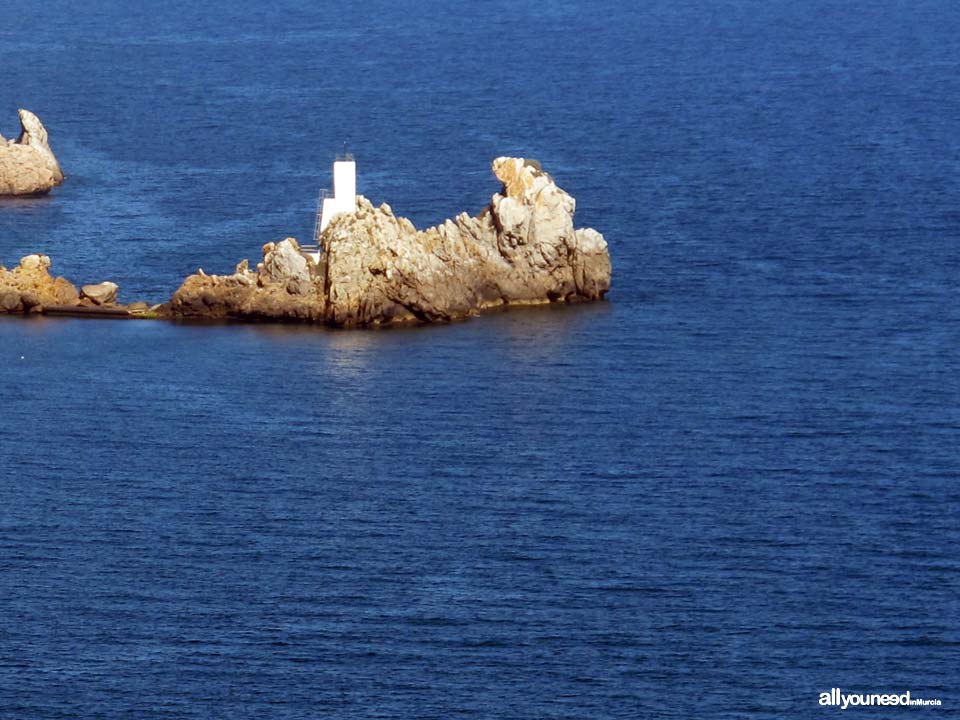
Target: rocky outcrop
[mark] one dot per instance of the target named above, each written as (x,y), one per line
(377,268)
(30,287)
(27,164)
(286,286)
(521,250)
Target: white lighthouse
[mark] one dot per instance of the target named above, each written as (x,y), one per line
(344,191)
(343,200)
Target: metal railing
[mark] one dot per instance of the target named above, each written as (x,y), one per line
(324,194)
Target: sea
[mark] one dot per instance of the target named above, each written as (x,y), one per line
(728,488)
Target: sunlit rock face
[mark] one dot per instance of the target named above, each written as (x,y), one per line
(31,287)
(376,268)
(285,286)
(27,164)
(522,249)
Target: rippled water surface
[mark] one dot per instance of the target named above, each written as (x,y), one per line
(730,488)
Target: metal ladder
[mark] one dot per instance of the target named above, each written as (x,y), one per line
(315,246)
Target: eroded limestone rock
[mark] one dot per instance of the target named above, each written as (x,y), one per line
(521,250)
(30,285)
(286,286)
(377,268)
(27,164)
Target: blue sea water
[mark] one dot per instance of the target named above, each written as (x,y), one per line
(730,488)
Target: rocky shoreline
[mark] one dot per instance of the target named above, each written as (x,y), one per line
(374,268)
(30,289)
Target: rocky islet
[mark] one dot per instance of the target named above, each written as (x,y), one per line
(27,164)
(375,268)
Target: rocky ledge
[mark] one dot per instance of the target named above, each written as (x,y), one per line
(30,288)
(287,285)
(27,164)
(376,268)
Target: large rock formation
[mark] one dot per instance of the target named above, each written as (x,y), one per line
(377,268)
(30,287)
(27,164)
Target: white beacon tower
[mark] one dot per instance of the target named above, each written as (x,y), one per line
(344,199)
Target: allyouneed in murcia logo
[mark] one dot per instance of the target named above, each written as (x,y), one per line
(835,698)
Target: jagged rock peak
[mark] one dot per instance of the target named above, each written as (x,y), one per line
(521,250)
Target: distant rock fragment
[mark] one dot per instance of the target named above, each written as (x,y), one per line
(104,293)
(27,164)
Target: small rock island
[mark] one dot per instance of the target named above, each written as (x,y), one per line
(27,164)
(373,268)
